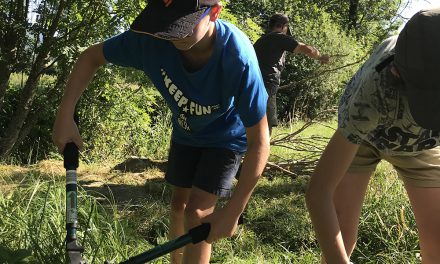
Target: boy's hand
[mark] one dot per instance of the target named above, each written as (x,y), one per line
(65,131)
(223,224)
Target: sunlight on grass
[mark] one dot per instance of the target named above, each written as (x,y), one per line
(312,134)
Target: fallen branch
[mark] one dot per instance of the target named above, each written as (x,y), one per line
(274,165)
(309,150)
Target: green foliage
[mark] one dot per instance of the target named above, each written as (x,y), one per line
(18,256)
(48,36)
(247,25)
(123,117)
(388,229)
(312,87)
(119,109)
(38,141)
(375,20)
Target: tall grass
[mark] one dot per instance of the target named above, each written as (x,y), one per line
(388,230)
(32,222)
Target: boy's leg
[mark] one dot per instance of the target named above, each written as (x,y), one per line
(426,206)
(179,200)
(421,176)
(200,204)
(350,193)
(182,165)
(348,200)
(215,173)
(202,174)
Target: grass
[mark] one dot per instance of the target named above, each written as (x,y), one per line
(123,214)
(33,220)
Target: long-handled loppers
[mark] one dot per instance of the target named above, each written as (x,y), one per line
(74,251)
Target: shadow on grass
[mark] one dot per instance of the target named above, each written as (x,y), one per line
(144,206)
(277,214)
(136,164)
(122,194)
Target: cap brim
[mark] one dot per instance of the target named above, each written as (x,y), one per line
(167,25)
(425,107)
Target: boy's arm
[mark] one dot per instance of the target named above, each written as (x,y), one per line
(65,129)
(253,165)
(224,221)
(331,168)
(311,52)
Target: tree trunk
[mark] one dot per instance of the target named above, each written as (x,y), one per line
(353,14)
(23,107)
(33,117)
(5,73)
(10,42)
(15,125)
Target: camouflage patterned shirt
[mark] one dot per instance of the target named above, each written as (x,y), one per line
(372,110)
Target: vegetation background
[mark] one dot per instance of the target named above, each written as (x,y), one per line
(122,115)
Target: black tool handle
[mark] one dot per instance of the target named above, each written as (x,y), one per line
(199,233)
(71,157)
(71,161)
(194,235)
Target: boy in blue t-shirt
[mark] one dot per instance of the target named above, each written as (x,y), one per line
(207,72)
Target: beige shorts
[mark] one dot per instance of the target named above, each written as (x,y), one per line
(422,170)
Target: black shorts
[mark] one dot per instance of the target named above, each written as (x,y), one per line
(209,169)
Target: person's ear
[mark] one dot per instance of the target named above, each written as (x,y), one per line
(215,11)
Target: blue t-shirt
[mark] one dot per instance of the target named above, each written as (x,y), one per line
(212,106)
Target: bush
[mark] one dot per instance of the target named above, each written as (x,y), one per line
(311,87)
(124,117)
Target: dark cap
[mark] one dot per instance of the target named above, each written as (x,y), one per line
(279,19)
(171,19)
(418,61)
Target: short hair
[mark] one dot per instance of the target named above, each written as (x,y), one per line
(278,20)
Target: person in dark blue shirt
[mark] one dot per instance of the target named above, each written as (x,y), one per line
(207,72)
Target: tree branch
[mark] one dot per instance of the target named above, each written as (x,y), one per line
(323,72)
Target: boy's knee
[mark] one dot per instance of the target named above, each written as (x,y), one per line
(193,215)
